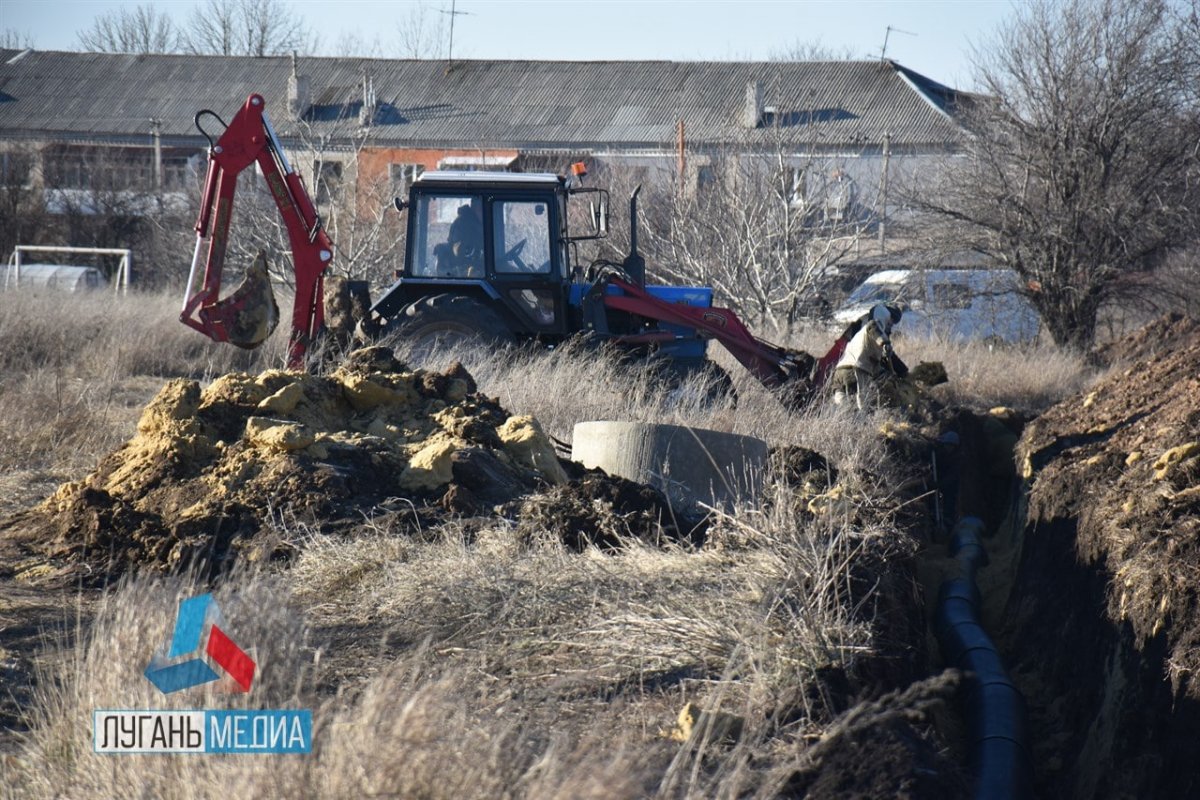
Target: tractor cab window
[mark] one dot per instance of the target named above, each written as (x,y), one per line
(448,237)
(521,236)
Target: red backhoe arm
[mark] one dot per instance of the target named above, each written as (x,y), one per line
(249,139)
(773,365)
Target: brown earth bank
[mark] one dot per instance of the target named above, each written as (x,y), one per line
(1103,621)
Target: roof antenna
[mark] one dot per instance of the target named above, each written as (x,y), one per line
(887,33)
(452,13)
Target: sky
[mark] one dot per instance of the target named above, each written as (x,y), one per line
(934,37)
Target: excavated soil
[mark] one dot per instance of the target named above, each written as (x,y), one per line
(210,469)
(1104,619)
(605,511)
(882,748)
(223,472)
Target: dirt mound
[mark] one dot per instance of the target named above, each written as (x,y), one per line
(1160,336)
(929,373)
(1107,600)
(890,735)
(208,468)
(605,511)
(347,306)
(1125,462)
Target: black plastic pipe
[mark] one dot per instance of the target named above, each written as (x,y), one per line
(999,742)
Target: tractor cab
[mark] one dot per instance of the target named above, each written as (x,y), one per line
(502,238)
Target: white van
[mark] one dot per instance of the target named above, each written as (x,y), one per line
(965,304)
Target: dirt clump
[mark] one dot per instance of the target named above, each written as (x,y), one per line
(929,373)
(801,467)
(804,479)
(606,511)
(209,468)
(1105,614)
(347,310)
(883,748)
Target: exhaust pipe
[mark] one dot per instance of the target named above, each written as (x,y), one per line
(634,265)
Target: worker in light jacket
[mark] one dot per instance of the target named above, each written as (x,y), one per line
(868,362)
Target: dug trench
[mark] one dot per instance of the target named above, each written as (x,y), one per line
(1092,588)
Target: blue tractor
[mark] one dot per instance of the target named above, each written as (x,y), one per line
(492,256)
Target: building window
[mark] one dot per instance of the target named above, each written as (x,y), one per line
(838,196)
(791,184)
(477,163)
(327,175)
(402,176)
(181,171)
(16,169)
(706,176)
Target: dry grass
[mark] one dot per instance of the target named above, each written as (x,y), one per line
(75,371)
(416,730)
(1030,378)
(448,669)
(474,661)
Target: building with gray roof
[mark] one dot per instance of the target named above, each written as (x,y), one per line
(424,112)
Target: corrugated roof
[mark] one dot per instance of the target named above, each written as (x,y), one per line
(491,104)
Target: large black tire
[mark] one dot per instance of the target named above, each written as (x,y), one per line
(436,323)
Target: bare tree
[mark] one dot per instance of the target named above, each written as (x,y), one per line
(142,29)
(422,33)
(356,45)
(107,197)
(764,230)
(355,207)
(246,28)
(12,39)
(765,220)
(1083,167)
(1187,45)
(23,217)
(367,232)
(212,29)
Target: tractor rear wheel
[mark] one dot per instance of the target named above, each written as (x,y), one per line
(439,322)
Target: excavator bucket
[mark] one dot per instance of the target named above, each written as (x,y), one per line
(250,314)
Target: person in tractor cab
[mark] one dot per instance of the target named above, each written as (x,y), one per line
(466,239)
(868,365)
